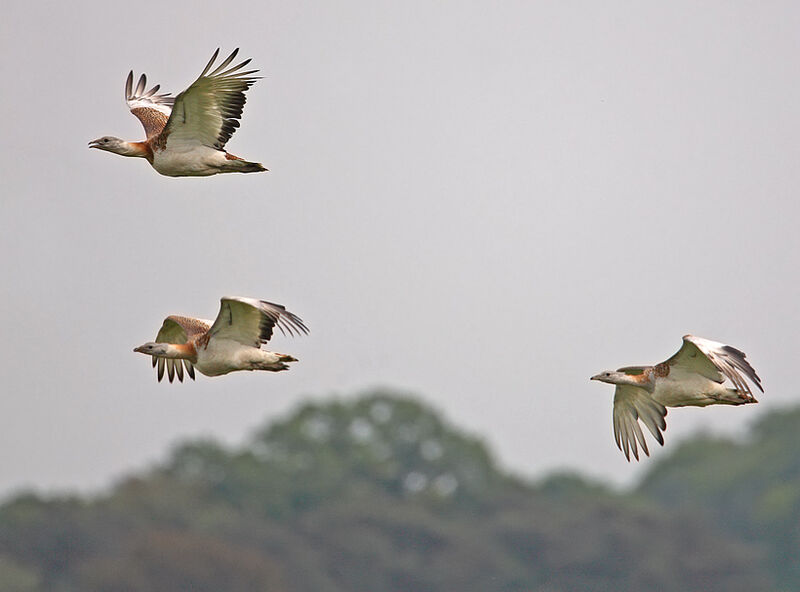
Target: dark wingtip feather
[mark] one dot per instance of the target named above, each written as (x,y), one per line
(140,86)
(210,62)
(129,85)
(740,360)
(224,63)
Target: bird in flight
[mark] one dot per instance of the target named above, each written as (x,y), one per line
(701,373)
(186,135)
(232,342)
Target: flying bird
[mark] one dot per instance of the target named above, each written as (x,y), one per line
(186,135)
(232,342)
(701,373)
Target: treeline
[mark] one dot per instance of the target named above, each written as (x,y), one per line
(379,493)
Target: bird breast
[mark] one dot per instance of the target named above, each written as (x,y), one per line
(221,356)
(188,161)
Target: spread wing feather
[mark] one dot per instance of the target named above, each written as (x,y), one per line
(151,109)
(632,404)
(207,113)
(716,361)
(250,321)
(177,329)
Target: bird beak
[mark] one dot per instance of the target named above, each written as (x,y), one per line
(595,377)
(94,144)
(138,349)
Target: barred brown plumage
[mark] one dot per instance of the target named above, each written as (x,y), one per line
(232,342)
(694,376)
(186,134)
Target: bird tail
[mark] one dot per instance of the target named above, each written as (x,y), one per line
(734,396)
(251,167)
(240,165)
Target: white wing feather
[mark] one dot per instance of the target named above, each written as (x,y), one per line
(250,321)
(136,98)
(716,361)
(631,404)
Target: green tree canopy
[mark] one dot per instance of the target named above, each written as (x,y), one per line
(375,493)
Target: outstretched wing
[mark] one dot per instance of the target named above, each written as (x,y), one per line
(207,113)
(250,321)
(631,404)
(151,109)
(177,329)
(716,361)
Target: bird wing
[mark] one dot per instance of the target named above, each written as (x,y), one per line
(151,109)
(250,321)
(177,329)
(631,404)
(716,361)
(207,113)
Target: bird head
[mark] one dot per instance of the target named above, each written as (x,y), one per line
(611,377)
(109,143)
(153,349)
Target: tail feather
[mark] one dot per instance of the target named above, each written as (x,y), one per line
(240,165)
(251,167)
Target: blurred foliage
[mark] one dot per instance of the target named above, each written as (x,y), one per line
(749,488)
(17,578)
(379,493)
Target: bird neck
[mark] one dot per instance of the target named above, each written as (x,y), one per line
(183,351)
(135,149)
(643,380)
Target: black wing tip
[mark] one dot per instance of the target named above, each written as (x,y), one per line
(296,322)
(129,86)
(732,350)
(286,321)
(220,70)
(273,304)
(741,358)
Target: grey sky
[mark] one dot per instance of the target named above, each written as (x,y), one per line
(483,203)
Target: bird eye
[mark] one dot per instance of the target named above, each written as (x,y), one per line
(105,140)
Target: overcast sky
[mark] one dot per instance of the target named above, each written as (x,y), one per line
(481,203)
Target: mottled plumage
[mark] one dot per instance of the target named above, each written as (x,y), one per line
(232,342)
(695,376)
(186,135)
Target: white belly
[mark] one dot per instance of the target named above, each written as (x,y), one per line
(225,355)
(220,357)
(692,389)
(197,161)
